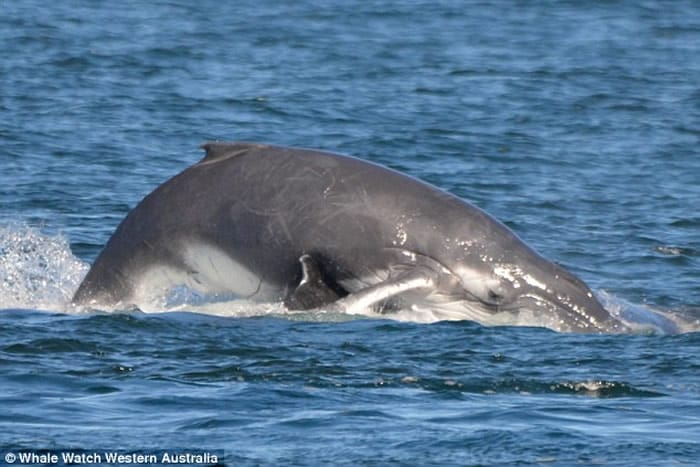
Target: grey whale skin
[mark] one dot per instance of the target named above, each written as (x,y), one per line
(321,230)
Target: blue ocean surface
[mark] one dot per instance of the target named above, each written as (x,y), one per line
(575,123)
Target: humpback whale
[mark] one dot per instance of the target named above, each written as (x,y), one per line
(318,230)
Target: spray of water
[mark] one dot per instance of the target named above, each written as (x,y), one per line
(37,271)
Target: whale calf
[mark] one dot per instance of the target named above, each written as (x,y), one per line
(318,230)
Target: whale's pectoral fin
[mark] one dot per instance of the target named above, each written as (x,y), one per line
(377,296)
(313,290)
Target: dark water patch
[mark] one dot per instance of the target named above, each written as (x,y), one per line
(99,390)
(51,345)
(211,423)
(686,223)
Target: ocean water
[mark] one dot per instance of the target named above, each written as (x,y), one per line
(575,123)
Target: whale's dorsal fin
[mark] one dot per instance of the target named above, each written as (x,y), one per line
(313,290)
(221,150)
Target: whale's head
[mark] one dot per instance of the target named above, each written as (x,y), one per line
(542,293)
(491,276)
(511,279)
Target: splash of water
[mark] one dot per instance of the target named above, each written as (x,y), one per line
(642,319)
(37,271)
